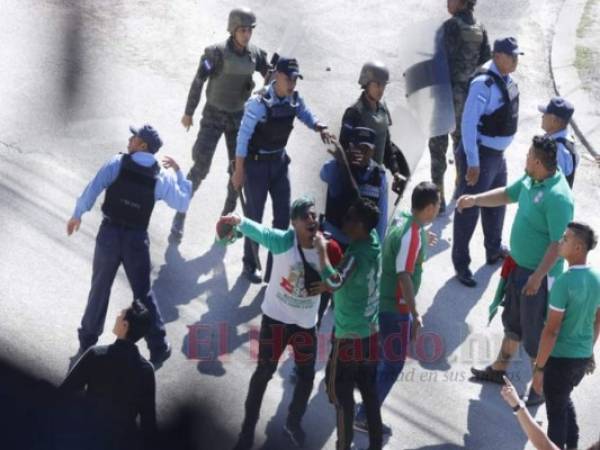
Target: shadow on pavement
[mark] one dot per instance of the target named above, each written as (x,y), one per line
(445,320)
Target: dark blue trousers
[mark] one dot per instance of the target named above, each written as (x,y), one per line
(262,178)
(492,175)
(116,244)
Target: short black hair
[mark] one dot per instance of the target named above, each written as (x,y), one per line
(424,194)
(584,233)
(138,318)
(364,211)
(545,150)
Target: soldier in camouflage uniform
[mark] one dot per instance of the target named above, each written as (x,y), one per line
(467,47)
(228,67)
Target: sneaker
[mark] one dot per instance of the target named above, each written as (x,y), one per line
(534,399)
(252,275)
(158,358)
(499,257)
(295,433)
(466,278)
(489,374)
(362,426)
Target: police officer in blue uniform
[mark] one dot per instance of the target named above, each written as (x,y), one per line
(489,124)
(261,164)
(133,182)
(555,120)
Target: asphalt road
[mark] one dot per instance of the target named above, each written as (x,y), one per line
(62,116)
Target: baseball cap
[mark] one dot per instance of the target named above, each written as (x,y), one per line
(289,66)
(559,107)
(149,135)
(508,46)
(363,136)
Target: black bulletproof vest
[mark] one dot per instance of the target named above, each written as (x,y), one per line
(274,132)
(503,121)
(129,200)
(570,146)
(336,207)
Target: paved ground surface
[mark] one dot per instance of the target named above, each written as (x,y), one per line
(588,56)
(138,60)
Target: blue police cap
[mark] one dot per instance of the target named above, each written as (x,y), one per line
(363,136)
(507,45)
(289,66)
(559,107)
(150,136)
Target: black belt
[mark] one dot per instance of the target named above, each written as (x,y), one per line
(274,156)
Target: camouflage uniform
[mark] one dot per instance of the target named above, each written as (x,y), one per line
(230,84)
(467,47)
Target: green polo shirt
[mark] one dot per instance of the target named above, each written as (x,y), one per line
(545,209)
(576,293)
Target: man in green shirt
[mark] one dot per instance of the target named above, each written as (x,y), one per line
(545,208)
(354,355)
(402,265)
(572,327)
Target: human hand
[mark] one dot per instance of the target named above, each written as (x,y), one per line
(73,225)
(538,382)
(169,162)
(187,122)
(472,176)
(237,179)
(509,393)
(415,327)
(326,136)
(317,288)
(533,285)
(591,366)
(465,202)
(320,243)
(231,219)
(432,238)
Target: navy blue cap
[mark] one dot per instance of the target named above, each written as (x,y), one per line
(507,45)
(559,107)
(150,136)
(289,66)
(363,136)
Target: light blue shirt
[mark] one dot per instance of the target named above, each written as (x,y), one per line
(331,174)
(563,155)
(255,111)
(481,101)
(176,191)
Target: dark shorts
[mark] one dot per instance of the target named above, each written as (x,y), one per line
(524,316)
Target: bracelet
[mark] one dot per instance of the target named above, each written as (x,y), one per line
(517,407)
(537,368)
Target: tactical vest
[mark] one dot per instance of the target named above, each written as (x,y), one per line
(231,84)
(379,121)
(471,39)
(570,146)
(274,132)
(503,121)
(129,200)
(336,207)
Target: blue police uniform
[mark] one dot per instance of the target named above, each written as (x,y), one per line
(133,182)
(489,124)
(266,126)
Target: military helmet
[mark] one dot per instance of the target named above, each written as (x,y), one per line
(240,17)
(373,71)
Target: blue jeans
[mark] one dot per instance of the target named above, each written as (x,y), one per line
(262,178)
(116,244)
(394,333)
(492,166)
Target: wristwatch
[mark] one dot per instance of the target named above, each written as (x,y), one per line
(517,407)
(537,368)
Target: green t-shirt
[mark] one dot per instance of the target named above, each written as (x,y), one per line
(403,251)
(545,209)
(576,293)
(357,300)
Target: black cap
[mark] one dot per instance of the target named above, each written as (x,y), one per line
(363,136)
(559,107)
(507,45)
(289,66)
(150,136)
